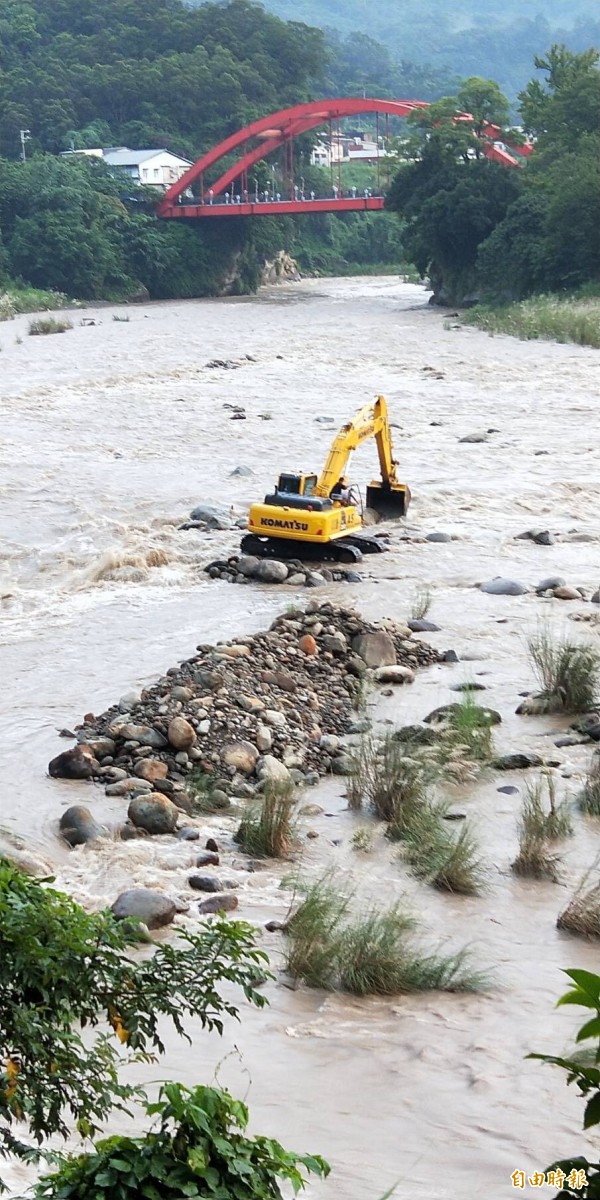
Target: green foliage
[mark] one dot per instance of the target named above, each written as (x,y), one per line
(550,318)
(569,672)
(390,777)
(266,828)
(582,914)
(66,975)
(200,1148)
(46,325)
(589,797)
(469,729)
(19,299)
(421,603)
(371,954)
(481,231)
(448,862)
(583,1069)
(539,828)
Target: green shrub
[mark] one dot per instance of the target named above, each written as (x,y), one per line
(200,1148)
(582,914)
(568,672)
(451,863)
(46,325)
(390,777)
(589,797)
(372,954)
(469,729)
(421,603)
(552,318)
(266,828)
(539,827)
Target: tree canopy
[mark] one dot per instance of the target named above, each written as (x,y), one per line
(479,229)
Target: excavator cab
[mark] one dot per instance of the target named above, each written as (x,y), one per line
(296,485)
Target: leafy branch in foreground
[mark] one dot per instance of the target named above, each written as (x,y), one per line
(66,972)
(583,1068)
(200,1148)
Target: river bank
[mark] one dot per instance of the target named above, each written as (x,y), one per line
(111,434)
(549,318)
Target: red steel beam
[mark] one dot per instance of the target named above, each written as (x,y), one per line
(269,209)
(277,128)
(313,113)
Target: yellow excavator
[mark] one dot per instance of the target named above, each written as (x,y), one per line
(310,516)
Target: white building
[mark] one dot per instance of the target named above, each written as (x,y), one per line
(151,168)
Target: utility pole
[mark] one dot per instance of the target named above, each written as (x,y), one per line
(25,137)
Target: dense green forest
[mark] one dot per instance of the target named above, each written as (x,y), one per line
(467,37)
(478,229)
(155,73)
(158,72)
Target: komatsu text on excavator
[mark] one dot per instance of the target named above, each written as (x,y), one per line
(319,517)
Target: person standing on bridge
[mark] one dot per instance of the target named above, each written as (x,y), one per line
(312,195)
(211,196)
(296,190)
(335,191)
(354,193)
(227,197)
(279,197)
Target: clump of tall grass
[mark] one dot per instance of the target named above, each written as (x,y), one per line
(46,325)
(582,914)
(568,672)
(372,954)
(469,729)
(539,828)
(434,853)
(421,603)
(588,799)
(266,829)
(362,840)
(389,777)
(545,317)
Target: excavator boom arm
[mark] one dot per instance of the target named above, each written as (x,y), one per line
(370,421)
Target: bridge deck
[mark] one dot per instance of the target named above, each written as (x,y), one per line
(269,208)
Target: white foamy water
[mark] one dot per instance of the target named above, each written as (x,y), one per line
(110,433)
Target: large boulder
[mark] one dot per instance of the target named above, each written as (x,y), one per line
(77,826)
(154,812)
(398,675)
(225,902)
(78,763)
(503,587)
(151,769)
(484,715)
(241,755)
(271,770)
(271,571)
(376,649)
(213,515)
(181,734)
(144,734)
(144,904)
(519,761)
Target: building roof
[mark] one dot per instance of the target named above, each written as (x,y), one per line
(133,158)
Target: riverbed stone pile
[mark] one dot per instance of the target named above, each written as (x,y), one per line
(270,708)
(246,568)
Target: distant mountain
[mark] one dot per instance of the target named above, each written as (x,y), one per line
(466,37)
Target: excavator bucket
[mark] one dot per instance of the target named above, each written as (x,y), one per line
(390,501)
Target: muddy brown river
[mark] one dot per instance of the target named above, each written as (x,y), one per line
(109,435)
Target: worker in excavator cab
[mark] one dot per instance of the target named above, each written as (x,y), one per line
(343,493)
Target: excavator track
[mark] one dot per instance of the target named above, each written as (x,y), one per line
(344,550)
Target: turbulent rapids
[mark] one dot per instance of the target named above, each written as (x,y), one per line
(111,434)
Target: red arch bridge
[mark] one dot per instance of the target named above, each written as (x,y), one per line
(233,193)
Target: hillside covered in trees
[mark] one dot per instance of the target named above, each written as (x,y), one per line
(477,229)
(467,37)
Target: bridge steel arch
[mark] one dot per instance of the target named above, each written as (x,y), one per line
(277,130)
